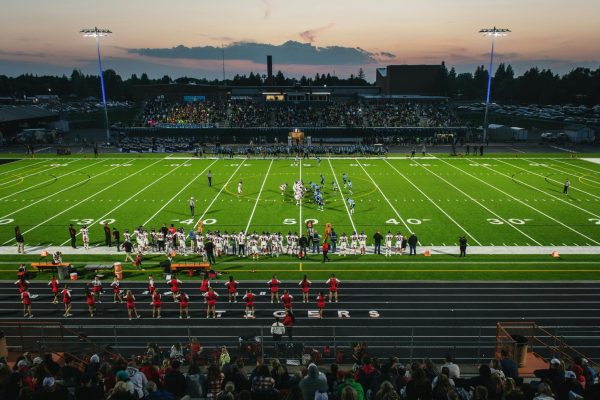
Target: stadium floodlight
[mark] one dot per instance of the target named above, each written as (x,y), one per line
(493,33)
(97,34)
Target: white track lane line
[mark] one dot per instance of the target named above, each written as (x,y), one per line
(86,199)
(122,203)
(178,193)
(219,193)
(19,168)
(553,180)
(32,174)
(537,189)
(385,198)
(479,204)
(258,197)
(342,195)
(434,203)
(49,180)
(522,202)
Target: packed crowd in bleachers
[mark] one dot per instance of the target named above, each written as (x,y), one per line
(191,372)
(250,114)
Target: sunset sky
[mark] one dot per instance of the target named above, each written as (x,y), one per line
(332,35)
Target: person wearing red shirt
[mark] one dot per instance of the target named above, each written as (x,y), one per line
(26,299)
(232,289)
(305,285)
(131,310)
(249,298)
(90,301)
(116,286)
(274,284)
(183,305)
(288,322)
(151,284)
(156,303)
(97,284)
(174,284)
(211,300)
(321,304)
(22,283)
(66,295)
(333,284)
(325,250)
(54,288)
(204,285)
(286,299)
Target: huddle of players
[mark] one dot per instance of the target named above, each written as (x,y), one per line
(300,190)
(94,289)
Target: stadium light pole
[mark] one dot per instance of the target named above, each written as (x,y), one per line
(493,33)
(97,34)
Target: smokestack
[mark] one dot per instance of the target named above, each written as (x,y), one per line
(270,70)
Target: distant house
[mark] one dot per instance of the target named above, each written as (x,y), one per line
(580,134)
(502,132)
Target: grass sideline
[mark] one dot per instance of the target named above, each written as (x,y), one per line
(370,267)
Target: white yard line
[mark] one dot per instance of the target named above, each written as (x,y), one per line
(178,193)
(53,194)
(434,203)
(579,174)
(122,203)
(219,193)
(27,176)
(19,168)
(385,197)
(579,166)
(540,190)
(481,205)
(553,180)
(522,202)
(49,180)
(300,204)
(258,197)
(342,196)
(86,199)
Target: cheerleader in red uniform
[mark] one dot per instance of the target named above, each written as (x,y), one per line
(183,304)
(22,284)
(130,299)
(90,301)
(204,286)
(156,303)
(333,284)
(211,300)
(249,298)
(26,299)
(174,285)
(66,295)
(151,285)
(232,289)
(116,286)
(321,304)
(286,299)
(274,284)
(54,288)
(288,322)
(97,285)
(305,285)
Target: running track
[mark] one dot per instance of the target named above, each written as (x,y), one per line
(416,319)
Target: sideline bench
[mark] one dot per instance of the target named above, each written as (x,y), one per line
(191,267)
(48,265)
(98,267)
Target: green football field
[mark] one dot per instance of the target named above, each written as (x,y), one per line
(494,201)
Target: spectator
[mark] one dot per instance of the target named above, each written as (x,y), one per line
(175,382)
(481,393)
(431,370)
(553,375)
(314,381)
(137,378)
(419,388)
(355,387)
(194,382)
(70,375)
(121,392)
(215,382)
(441,388)
(155,394)
(237,376)
(365,374)
(544,392)
(485,379)
(88,390)
(349,393)
(570,385)
(509,367)
(453,369)
(51,390)
(228,393)
(263,384)
(387,392)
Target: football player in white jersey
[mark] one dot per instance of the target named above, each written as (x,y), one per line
(399,239)
(343,245)
(85,236)
(354,242)
(388,244)
(362,243)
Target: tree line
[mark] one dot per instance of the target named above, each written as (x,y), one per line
(579,86)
